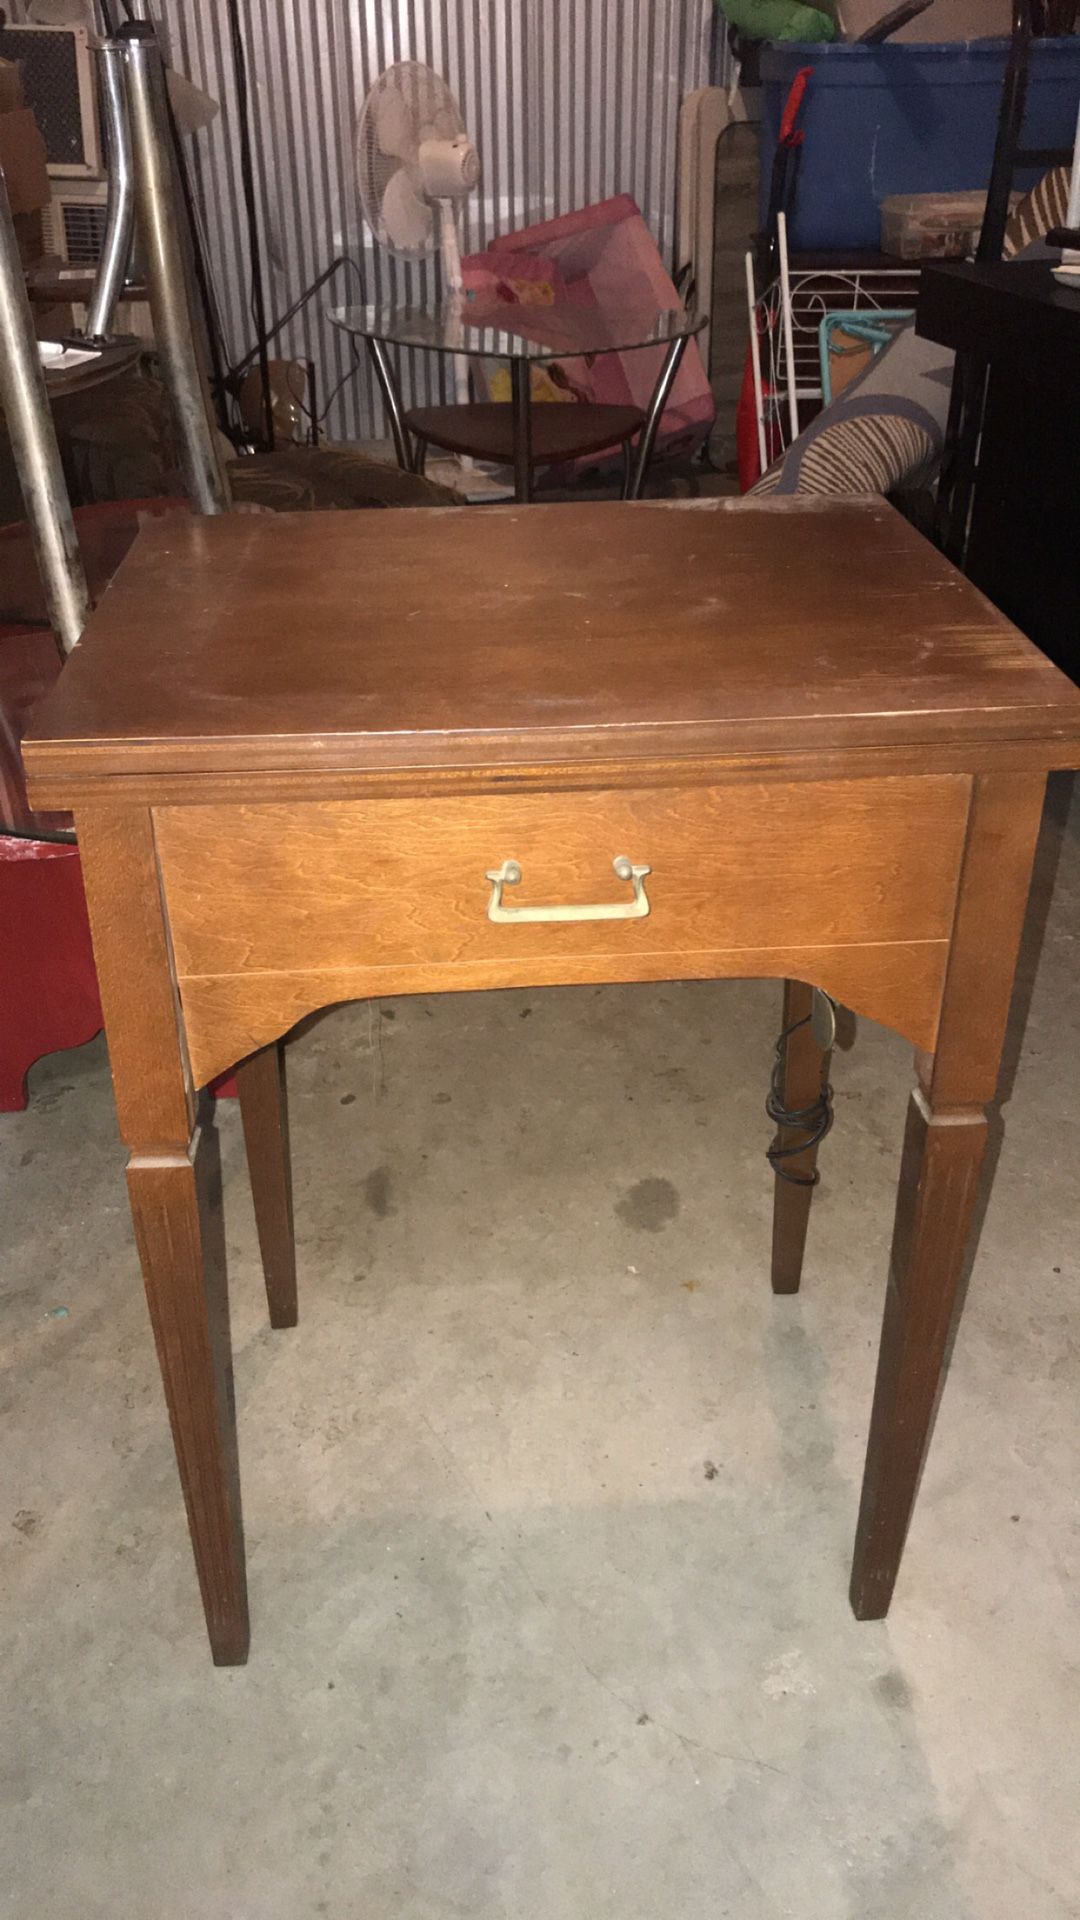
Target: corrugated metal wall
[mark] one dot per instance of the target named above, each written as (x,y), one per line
(568,101)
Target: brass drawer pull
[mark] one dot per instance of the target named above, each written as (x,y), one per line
(509,875)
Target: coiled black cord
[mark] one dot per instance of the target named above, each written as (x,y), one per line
(814,1121)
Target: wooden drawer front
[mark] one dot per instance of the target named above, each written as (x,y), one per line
(336,885)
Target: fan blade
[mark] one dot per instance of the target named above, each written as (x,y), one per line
(394,128)
(406,217)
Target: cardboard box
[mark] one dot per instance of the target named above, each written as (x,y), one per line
(23,161)
(30,238)
(11,92)
(945,20)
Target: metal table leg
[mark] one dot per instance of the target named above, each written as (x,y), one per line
(24,403)
(388,387)
(120,206)
(161,238)
(657,404)
(520,399)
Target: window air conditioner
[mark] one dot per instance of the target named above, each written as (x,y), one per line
(59,85)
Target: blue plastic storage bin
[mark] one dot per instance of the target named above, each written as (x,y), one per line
(903,118)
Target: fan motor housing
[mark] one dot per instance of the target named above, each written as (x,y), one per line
(449,168)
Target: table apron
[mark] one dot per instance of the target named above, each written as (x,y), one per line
(277,910)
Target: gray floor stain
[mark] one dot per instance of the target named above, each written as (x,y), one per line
(649,1204)
(893,1691)
(378,1187)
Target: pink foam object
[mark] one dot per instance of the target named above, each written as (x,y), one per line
(605,256)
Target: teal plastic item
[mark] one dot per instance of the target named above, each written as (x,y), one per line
(875,325)
(779,20)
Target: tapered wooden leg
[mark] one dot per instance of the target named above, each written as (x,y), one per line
(804,1073)
(944,1147)
(174,1183)
(938,1184)
(264,1111)
(176,1207)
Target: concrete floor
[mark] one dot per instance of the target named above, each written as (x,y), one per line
(549,1503)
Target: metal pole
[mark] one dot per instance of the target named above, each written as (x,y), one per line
(392,398)
(521,402)
(120,209)
(247,183)
(166,272)
(25,406)
(647,438)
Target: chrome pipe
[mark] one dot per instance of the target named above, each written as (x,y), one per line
(521,401)
(27,414)
(120,206)
(647,438)
(165,266)
(395,412)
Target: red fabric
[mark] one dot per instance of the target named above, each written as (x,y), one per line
(48,986)
(746,434)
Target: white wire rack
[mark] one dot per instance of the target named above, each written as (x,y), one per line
(785,333)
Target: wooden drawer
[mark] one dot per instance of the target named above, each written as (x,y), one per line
(392,882)
(275,910)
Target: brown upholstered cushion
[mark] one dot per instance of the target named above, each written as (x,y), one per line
(301,479)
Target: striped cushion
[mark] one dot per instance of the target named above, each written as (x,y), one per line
(884,431)
(1044,207)
(871,453)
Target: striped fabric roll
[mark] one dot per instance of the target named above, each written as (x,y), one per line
(868,454)
(1044,207)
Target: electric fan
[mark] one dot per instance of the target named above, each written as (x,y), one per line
(414,163)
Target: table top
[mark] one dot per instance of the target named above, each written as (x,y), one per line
(445,640)
(504,332)
(1012,308)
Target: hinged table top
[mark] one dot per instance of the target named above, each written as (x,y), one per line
(517,636)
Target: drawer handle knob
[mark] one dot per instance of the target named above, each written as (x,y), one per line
(509,875)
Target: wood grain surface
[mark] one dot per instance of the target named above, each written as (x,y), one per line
(227,1015)
(147,1052)
(397,882)
(348,899)
(525,636)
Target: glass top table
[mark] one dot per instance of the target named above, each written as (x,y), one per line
(524,336)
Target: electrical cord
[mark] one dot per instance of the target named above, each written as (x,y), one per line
(814,1121)
(350,373)
(236,373)
(257,300)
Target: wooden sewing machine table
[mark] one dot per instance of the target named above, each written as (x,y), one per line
(321,757)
